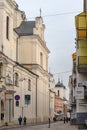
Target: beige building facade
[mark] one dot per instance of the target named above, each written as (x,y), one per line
(23,66)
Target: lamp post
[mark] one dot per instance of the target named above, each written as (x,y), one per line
(49,101)
(22,117)
(22,107)
(0,104)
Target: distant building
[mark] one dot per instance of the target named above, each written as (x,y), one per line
(60,98)
(58,104)
(60,90)
(51,96)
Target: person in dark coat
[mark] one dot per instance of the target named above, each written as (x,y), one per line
(25,120)
(64,119)
(20,120)
(67,119)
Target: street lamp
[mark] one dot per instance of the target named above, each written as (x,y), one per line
(22,79)
(0,103)
(49,106)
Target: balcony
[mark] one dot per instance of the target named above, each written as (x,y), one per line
(82,63)
(81,33)
(81,25)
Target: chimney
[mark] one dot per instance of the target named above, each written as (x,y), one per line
(85,5)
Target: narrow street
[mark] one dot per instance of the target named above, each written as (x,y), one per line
(53,126)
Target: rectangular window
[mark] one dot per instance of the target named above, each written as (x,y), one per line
(41,58)
(7,27)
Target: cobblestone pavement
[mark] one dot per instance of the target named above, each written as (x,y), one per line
(53,126)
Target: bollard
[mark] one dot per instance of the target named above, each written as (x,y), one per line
(49,122)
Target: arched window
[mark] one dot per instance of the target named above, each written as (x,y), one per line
(7,27)
(29,84)
(58,93)
(0,70)
(16,79)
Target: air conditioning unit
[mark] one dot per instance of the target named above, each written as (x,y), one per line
(8,81)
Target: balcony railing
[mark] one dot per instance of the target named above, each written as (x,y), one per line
(81,25)
(81,33)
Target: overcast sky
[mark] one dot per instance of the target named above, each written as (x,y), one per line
(59,19)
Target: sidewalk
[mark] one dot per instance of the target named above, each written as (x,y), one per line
(53,126)
(60,126)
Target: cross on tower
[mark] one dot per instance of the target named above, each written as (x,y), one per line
(40,12)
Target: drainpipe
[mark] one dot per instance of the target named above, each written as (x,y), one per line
(13,88)
(85,10)
(36,100)
(17,49)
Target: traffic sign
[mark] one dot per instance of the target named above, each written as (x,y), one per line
(17,97)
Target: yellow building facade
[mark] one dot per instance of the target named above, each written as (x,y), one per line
(81,66)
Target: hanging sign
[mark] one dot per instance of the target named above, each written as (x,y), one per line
(79,93)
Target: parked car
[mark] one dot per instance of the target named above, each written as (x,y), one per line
(58,117)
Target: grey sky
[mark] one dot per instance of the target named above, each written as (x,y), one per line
(59,19)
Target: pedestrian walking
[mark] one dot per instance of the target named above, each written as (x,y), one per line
(64,119)
(25,120)
(67,119)
(20,120)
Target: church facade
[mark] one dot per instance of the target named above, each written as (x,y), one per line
(24,76)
